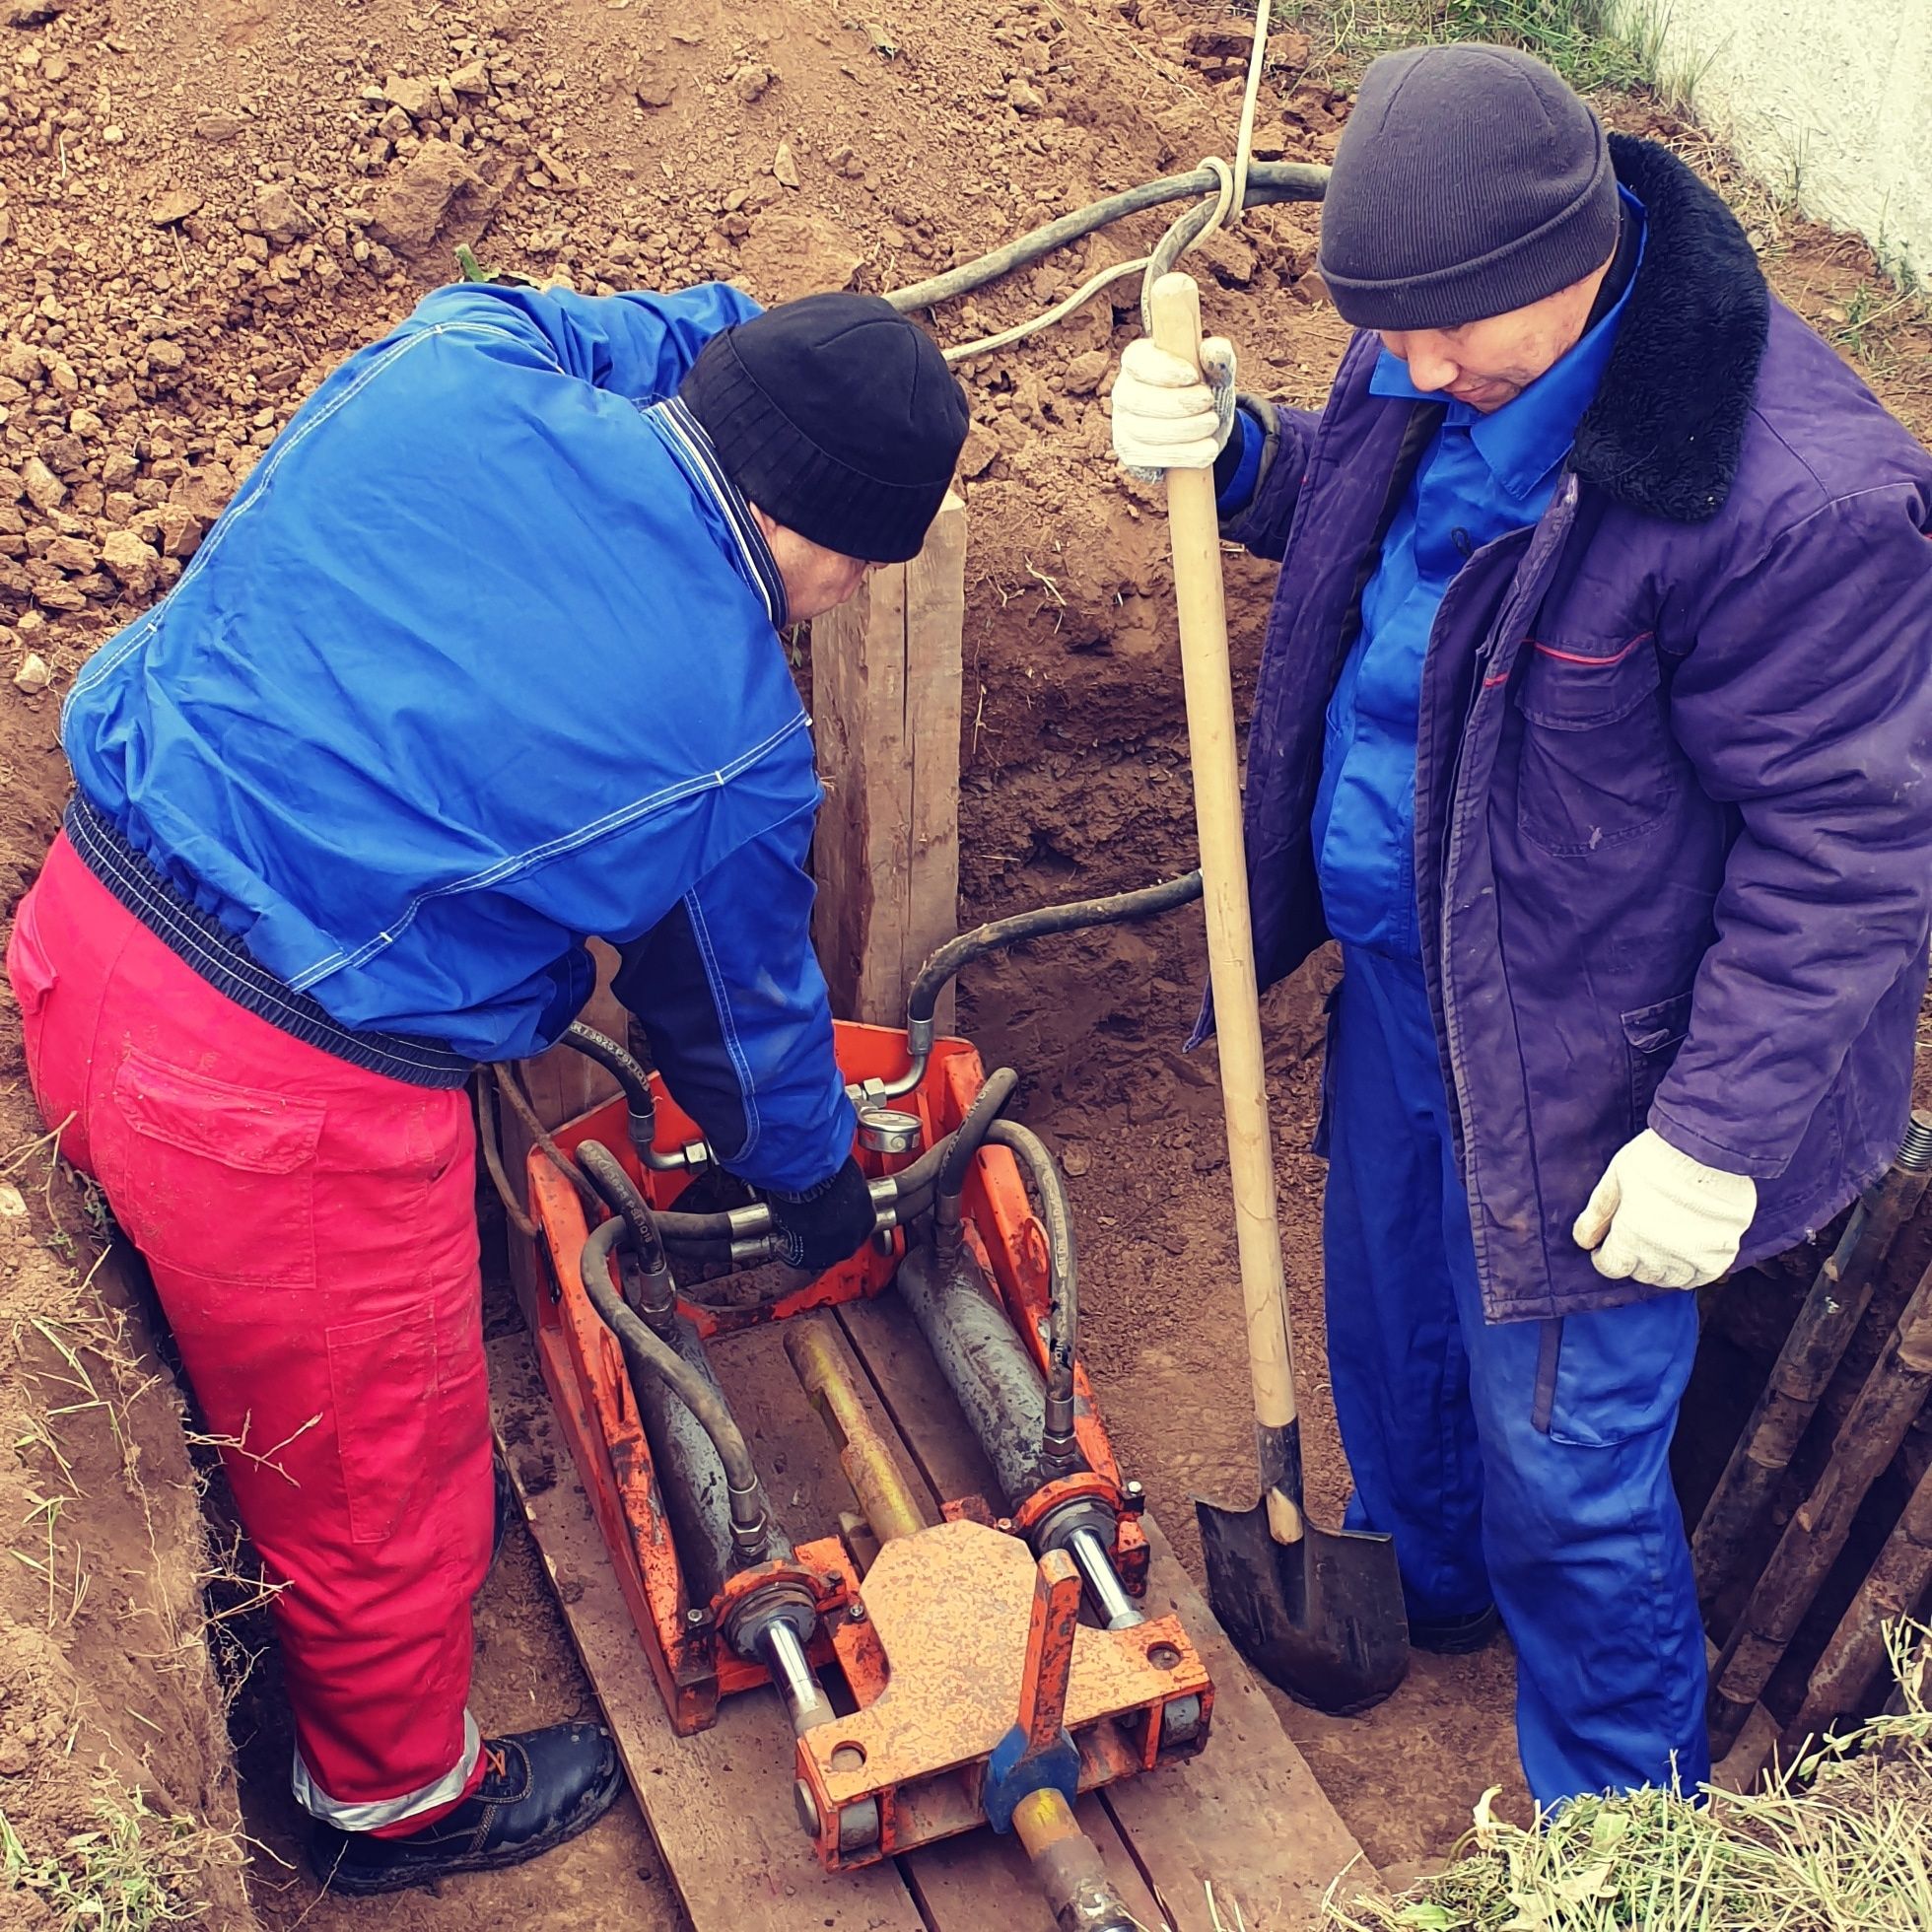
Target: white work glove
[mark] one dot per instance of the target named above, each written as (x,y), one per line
(1165,416)
(1661,1217)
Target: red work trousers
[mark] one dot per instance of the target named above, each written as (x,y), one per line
(311,1232)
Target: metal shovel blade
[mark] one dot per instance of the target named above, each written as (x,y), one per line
(1321,1617)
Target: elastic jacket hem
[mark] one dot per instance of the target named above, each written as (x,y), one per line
(202,943)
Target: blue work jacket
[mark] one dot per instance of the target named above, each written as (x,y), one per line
(484,660)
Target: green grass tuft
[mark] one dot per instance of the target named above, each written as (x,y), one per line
(136,1872)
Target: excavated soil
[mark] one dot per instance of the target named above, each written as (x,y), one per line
(203,205)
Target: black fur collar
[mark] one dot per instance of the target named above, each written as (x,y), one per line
(1665,431)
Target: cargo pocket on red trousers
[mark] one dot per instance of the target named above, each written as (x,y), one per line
(382,1382)
(211,1178)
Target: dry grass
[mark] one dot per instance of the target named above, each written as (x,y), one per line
(1575,36)
(1842,1841)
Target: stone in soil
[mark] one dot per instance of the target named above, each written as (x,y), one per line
(175,205)
(414,206)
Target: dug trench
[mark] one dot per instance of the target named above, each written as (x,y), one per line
(203,205)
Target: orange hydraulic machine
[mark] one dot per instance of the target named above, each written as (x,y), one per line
(984,1667)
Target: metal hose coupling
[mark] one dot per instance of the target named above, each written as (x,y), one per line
(750,1531)
(1060,1449)
(1915,1152)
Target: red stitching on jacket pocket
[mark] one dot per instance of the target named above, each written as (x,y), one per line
(1577,657)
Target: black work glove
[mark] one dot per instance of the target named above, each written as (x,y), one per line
(819,1228)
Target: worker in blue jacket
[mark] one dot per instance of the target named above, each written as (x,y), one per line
(483,658)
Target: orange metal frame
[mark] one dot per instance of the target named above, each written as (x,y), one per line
(583,1371)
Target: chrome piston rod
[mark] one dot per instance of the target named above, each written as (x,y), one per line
(1117,1608)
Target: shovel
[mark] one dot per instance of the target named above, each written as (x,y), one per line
(1317,1612)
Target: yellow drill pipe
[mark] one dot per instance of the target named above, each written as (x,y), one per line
(828,1374)
(1068,1864)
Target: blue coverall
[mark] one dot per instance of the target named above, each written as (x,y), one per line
(1524,1463)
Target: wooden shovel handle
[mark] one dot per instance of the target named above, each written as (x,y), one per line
(1195,531)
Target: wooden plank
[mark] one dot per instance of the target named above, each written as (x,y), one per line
(935,631)
(1247,1815)
(719,1804)
(886,672)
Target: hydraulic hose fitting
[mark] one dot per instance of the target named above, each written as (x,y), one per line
(1060,1450)
(655,1298)
(750,1533)
(920,1035)
(640,1109)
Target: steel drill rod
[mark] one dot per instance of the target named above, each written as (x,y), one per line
(1117,1608)
(1867,1440)
(1068,1867)
(1893,1589)
(1826,1324)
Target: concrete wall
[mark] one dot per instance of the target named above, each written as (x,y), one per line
(1831,99)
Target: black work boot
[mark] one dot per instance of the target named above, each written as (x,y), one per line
(1456,1636)
(503,1512)
(539,1788)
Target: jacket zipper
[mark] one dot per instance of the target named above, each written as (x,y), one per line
(1532,576)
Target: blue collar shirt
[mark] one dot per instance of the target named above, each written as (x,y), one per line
(1481,477)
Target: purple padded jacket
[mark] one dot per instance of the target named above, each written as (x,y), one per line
(1673,789)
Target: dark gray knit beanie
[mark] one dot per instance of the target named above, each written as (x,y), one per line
(838,416)
(1470,181)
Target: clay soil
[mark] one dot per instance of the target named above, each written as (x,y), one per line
(203,205)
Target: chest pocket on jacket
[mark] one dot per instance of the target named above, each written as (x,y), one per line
(1597,765)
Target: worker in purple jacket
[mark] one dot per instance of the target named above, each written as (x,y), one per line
(1595,723)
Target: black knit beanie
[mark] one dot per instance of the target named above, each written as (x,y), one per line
(837,416)
(1470,181)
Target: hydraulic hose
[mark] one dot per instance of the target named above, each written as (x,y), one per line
(490,1140)
(957,954)
(619,1063)
(649,1354)
(711,1237)
(641,1105)
(967,1139)
(1269,181)
(1058,1446)
(659,1301)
